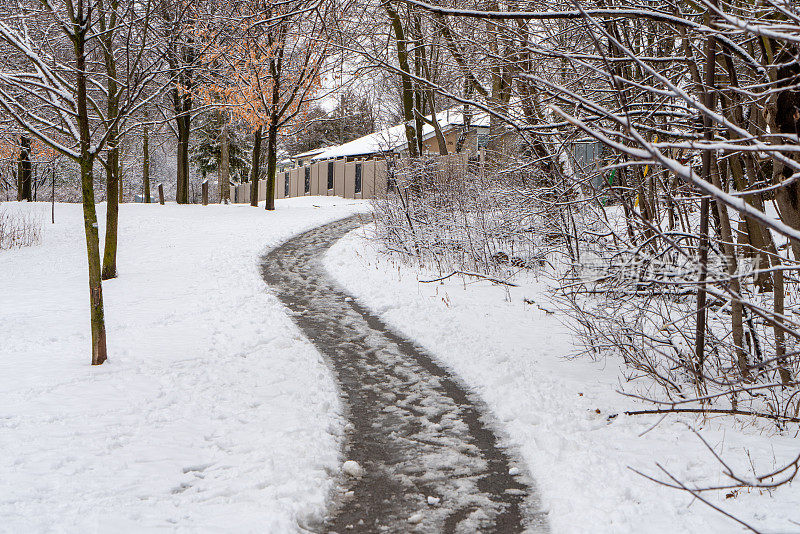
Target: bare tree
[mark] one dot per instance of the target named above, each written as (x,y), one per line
(51,89)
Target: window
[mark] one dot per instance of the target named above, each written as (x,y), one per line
(286,184)
(308,179)
(358,177)
(330,175)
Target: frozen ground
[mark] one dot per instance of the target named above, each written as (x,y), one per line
(213,414)
(556,411)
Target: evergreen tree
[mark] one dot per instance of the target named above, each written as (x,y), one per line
(206,151)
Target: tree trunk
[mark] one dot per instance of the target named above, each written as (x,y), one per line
(53,197)
(182,193)
(224,166)
(726,234)
(256,168)
(405,77)
(272,162)
(146,164)
(24,171)
(99,353)
(182,103)
(112,211)
(113,164)
(121,175)
(708,135)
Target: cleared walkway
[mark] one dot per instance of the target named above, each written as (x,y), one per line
(429,461)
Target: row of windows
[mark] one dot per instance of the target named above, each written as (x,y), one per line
(307,179)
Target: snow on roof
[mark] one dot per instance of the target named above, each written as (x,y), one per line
(313,152)
(394,138)
(383,141)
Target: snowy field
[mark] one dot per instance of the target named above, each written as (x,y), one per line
(212,414)
(556,411)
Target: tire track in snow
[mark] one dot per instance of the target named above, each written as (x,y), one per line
(430,462)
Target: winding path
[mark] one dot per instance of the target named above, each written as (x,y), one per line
(430,462)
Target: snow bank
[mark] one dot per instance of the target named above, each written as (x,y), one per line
(565,416)
(212,413)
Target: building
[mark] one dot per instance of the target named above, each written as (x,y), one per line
(392,141)
(359,168)
(299,160)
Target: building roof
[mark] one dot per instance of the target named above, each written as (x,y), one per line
(393,139)
(310,153)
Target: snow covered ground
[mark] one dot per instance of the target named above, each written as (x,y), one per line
(212,414)
(556,410)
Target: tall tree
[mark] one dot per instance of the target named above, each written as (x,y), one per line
(61,75)
(24,178)
(146,162)
(182,25)
(107,19)
(269,76)
(224,176)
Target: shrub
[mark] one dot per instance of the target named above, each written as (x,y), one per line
(19,230)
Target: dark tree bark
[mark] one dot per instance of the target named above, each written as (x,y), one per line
(24,169)
(182,106)
(256,168)
(407,83)
(107,28)
(82,24)
(708,135)
(224,166)
(182,193)
(146,164)
(272,162)
(112,213)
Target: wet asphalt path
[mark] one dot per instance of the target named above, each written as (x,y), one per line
(430,463)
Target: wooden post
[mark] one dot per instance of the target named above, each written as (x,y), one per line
(205,192)
(161,194)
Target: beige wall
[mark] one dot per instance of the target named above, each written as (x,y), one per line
(262,190)
(323,178)
(317,185)
(431,145)
(280,184)
(373,179)
(338,180)
(379,179)
(349,180)
(301,182)
(368,187)
(294,181)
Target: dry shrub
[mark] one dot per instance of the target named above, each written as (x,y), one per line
(446,214)
(19,229)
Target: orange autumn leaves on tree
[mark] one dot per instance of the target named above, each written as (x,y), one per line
(42,153)
(266,73)
(10,149)
(241,80)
